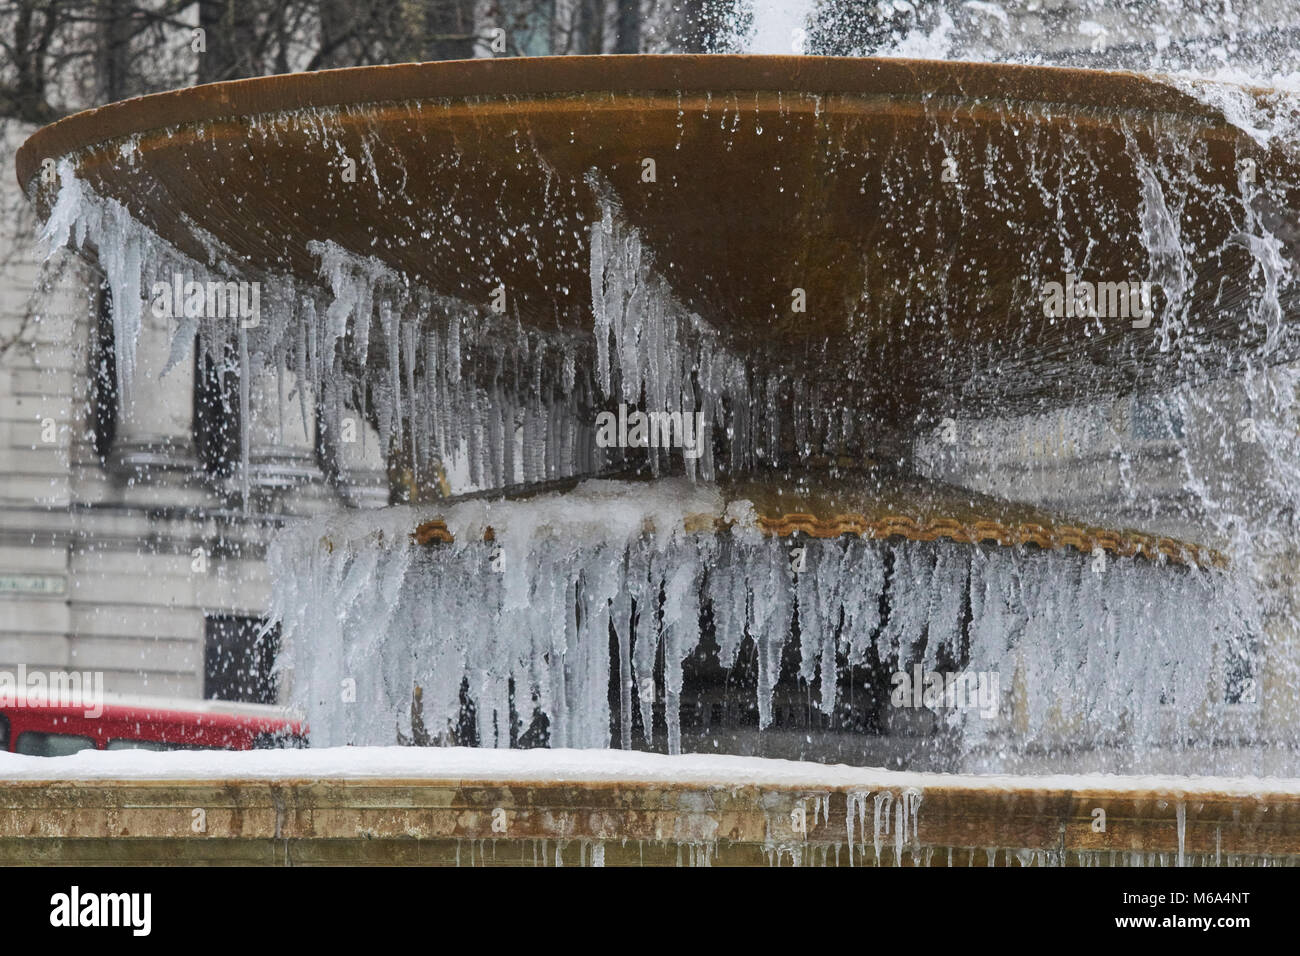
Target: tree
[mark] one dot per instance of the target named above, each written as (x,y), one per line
(59,56)
(853,28)
(28,43)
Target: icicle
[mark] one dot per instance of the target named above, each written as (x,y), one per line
(883,803)
(245,417)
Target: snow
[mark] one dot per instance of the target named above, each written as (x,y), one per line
(461,764)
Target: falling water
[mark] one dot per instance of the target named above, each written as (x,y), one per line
(779,26)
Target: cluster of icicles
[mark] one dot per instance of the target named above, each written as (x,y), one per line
(881,828)
(561,852)
(523,622)
(463,388)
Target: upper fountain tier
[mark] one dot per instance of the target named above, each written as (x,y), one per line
(922,208)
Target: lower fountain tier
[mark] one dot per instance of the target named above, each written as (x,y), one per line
(878,505)
(674,614)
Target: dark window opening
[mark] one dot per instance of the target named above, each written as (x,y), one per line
(237,662)
(1155,418)
(216,410)
(103,378)
(1239,684)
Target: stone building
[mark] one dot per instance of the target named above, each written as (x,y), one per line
(121,549)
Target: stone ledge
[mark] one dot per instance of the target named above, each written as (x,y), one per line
(429,821)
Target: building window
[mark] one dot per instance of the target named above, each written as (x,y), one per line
(237,664)
(216,410)
(1240,683)
(103,377)
(1155,418)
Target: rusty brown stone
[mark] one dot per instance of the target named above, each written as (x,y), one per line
(774,173)
(445,821)
(915,509)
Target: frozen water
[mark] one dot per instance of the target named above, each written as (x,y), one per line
(467,393)
(518,634)
(519,627)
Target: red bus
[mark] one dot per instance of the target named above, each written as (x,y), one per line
(52,726)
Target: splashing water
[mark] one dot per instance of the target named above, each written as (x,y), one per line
(780,26)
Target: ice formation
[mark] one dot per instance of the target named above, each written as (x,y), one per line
(460,388)
(520,626)
(459,383)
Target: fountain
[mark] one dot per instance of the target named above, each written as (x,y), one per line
(651,342)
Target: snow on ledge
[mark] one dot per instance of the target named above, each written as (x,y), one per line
(576,767)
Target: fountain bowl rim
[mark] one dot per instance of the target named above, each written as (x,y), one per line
(527,77)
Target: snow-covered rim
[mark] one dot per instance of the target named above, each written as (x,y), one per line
(550,75)
(461,765)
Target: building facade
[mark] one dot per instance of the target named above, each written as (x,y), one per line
(122,550)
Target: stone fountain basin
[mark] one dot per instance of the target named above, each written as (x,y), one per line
(919,206)
(452,805)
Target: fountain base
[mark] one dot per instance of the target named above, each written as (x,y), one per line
(452,806)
